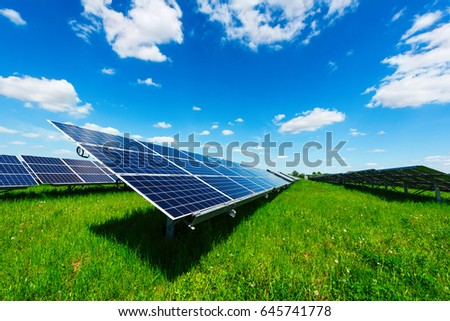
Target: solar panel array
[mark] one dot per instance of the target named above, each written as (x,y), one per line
(419,178)
(177,182)
(58,171)
(13,173)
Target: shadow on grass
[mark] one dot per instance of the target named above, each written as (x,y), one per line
(399,196)
(143,231)
(48,191)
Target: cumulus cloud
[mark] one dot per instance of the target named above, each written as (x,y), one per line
(13,16)
(161,139)
(148,82)
(58,96)
(378,150)
(136,33)
(381,132)
(311,120)
(215,126)
(107,130)
(4,130)
(137,137)
(204,133)
(195,108)
(239,120)
(108,71)
(272,22)
(227,132)
(162,124)
(31,135)
(438,159)
(278,118)
(422,72)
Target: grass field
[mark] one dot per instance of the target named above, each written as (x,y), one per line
(313,241)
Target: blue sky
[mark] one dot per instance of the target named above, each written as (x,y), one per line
(374,73)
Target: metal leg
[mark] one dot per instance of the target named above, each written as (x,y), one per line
(405,188)
(170,229)
(438,193)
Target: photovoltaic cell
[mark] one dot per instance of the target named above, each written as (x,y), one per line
(52,170)
(178,196)
(13,174)
(88,171)
(227,186)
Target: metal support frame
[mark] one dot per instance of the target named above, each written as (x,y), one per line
(405,188)
(438,193)
(170,229)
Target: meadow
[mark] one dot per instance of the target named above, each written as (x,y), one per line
(313,241)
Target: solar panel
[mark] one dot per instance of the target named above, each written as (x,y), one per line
(13,174)
(88,171)
(52,171)
(177,182)
(419,178)
(177,196)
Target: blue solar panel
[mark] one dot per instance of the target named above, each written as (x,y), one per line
(88,171)
(131,162)
(87,136)
(176,195)
(52,170)
(13,174)
(228,186)
(178,182)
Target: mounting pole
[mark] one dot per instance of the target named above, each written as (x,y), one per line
(170,229)
(438,193)
(405,188)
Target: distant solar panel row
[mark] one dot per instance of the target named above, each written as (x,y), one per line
(179,183)
(412,177)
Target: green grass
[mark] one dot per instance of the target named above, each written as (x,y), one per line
(311,242)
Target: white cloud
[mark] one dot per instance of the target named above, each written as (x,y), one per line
(398,15)
(230,123)
(4,130)
(312,120)
(162,124)
(13,16)
(227,132)
(271,22)
(381,132)
(204,133)
(148,82)
(195,108)
(85,30)
(333,66)
(422,72)
(18,142)
(31,135)
(63,152)
(161,139)
(278,118)
(107,130)
(58,96)
(423,22)
(108,71)
(437,159)
(349,53)
(354,132)
(139,32)
(38,146)
(371,164)
(377,150)
(239,120)
(215,126)
(137,137)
